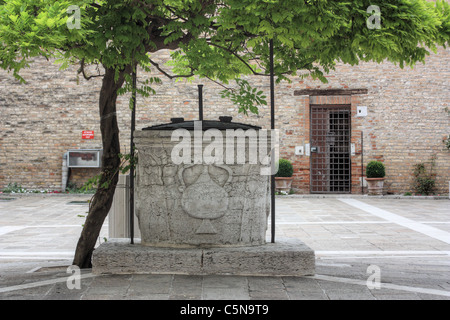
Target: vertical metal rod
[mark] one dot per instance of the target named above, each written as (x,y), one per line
(200,102)
(272,127)
(133,126)
(362,162)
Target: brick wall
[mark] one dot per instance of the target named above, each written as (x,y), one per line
(405,125)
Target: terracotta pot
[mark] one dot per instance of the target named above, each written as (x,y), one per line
(375,186)
(283,184)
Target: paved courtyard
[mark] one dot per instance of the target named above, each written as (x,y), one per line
(366,248)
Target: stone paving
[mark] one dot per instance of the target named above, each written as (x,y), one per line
(366,249)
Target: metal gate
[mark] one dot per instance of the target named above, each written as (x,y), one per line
(330,149)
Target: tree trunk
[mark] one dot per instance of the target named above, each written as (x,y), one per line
(102,200)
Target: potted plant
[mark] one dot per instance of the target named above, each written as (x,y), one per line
(283,177)
(375,172)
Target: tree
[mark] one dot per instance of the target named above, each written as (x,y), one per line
(220,40)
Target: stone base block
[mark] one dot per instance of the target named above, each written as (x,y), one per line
(283,258)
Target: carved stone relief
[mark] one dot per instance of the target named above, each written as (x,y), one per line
(200,205)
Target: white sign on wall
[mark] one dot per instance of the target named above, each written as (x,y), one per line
(361,111)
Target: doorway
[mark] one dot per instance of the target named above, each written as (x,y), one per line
(330,149)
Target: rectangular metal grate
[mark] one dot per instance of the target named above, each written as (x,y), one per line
(330,149)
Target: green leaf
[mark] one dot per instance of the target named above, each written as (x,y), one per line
(13,17)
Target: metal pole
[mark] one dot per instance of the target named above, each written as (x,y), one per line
(133,125)
(272,126)
(362,163)
(200,102)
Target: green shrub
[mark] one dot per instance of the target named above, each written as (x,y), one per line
(425,185)
(424,182)
(285,169)
(375,169)
(447,142)
(14,188)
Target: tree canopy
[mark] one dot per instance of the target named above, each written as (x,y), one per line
(220,39)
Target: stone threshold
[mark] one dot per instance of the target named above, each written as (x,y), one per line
(289,257)
(363,196)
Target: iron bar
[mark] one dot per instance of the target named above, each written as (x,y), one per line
(272,126)
(133,126)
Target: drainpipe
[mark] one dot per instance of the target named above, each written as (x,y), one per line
(65,173)
(200,102)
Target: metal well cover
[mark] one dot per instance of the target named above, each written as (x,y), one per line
(224,123)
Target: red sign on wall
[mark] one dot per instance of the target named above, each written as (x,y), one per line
(89,134)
